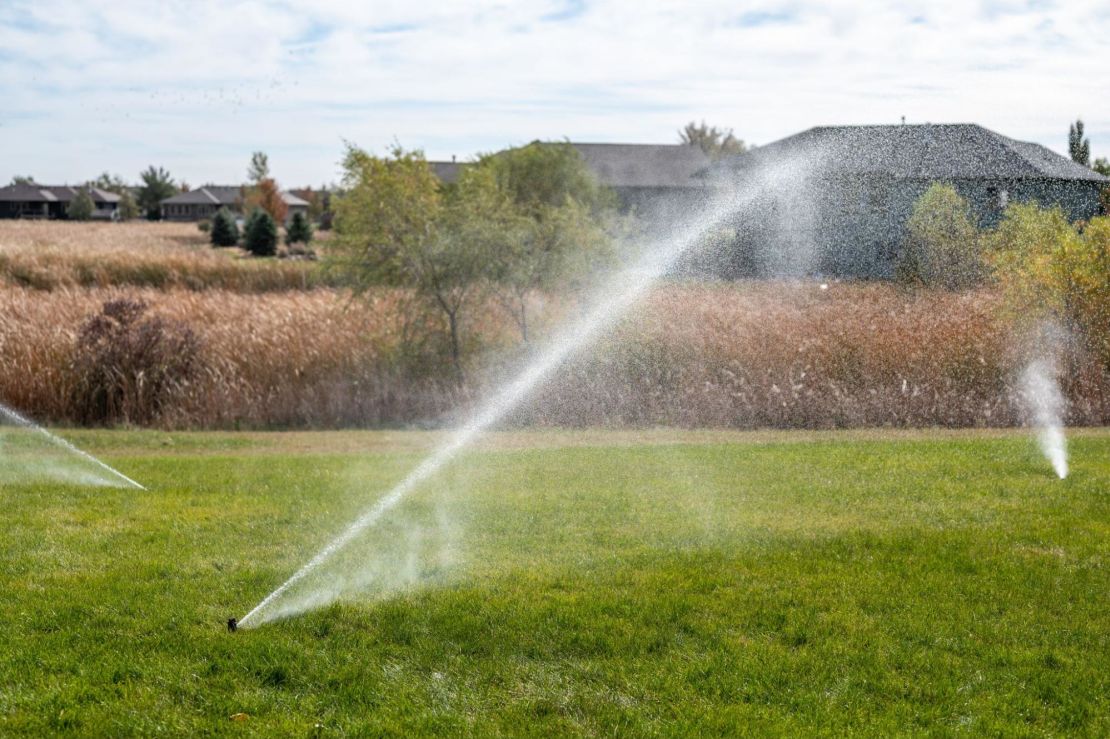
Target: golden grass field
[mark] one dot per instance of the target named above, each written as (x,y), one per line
(46,255)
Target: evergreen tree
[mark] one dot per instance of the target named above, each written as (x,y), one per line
(224,230)
(1079,147)
(81,207)
(260,234)
(300,230)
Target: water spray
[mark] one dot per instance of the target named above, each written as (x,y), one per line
(619,295)
(1045,406)
(58,441)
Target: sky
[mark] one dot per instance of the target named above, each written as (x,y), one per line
(196,86)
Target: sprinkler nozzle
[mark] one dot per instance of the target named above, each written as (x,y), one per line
(232,625)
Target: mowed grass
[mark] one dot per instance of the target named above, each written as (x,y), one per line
(673,583)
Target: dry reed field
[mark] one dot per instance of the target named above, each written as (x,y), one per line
(48,255)
(745,355)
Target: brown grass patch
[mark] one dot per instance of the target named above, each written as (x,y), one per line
(750,355)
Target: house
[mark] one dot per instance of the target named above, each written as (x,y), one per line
(651,179)
(203,202)
(31,200)
(835,199)
(645,177)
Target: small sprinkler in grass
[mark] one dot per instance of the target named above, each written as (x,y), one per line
(232,625)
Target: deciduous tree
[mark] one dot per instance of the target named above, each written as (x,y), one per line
(157,186)
(715,142)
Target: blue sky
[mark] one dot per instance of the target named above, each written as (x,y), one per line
(196,86)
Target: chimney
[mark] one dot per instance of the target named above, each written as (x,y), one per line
(452,159)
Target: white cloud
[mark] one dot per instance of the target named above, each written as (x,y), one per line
(196,86)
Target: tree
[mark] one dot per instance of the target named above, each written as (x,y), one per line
(21,180)
(942,244)
(544,222)
(299,231)
(81,208)
(1102,166)
(715,142)
(260,236)
(263,192)
(157,186)
(267,196)
(259,168)
(1079,147)
(1051,270)
(127,208)
(225,232)
(388,232)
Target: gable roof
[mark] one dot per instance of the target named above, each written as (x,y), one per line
(207,195)
(228,195)
(924,151)
(35,193)
(645,165)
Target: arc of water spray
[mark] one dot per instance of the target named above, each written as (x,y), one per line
(60,442)
(623,291)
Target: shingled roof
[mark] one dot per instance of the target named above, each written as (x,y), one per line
(644,165)
(924,151)
(35,193)
(624,165)
(228,195)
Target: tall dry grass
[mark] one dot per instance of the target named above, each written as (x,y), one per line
(741,356)
(48,255)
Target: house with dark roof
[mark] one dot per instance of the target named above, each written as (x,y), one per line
(203,202)
(32,200)
(644,176)
(840,197)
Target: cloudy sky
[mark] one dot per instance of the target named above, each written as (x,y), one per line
(196,86)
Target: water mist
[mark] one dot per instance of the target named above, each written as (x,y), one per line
(1045,404)
(613,301)
(70,467)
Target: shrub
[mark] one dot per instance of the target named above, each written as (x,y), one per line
(299,231)
(942,244)
(204,226)
(1051,271)
(260,235)
(81,208)
(125,367)
(224,232)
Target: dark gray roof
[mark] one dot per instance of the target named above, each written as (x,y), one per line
(24,193)
(645,165)
(447,172)
(925,151)
(228,195)
(35,193)
(624,165)
(207,195)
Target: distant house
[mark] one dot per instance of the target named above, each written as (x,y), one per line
(644,176)
(839,197)
(648,177)
(203,202)
(31,200)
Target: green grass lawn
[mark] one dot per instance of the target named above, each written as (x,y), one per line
(664,583)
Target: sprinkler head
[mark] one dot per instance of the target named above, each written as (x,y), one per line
(232,625)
